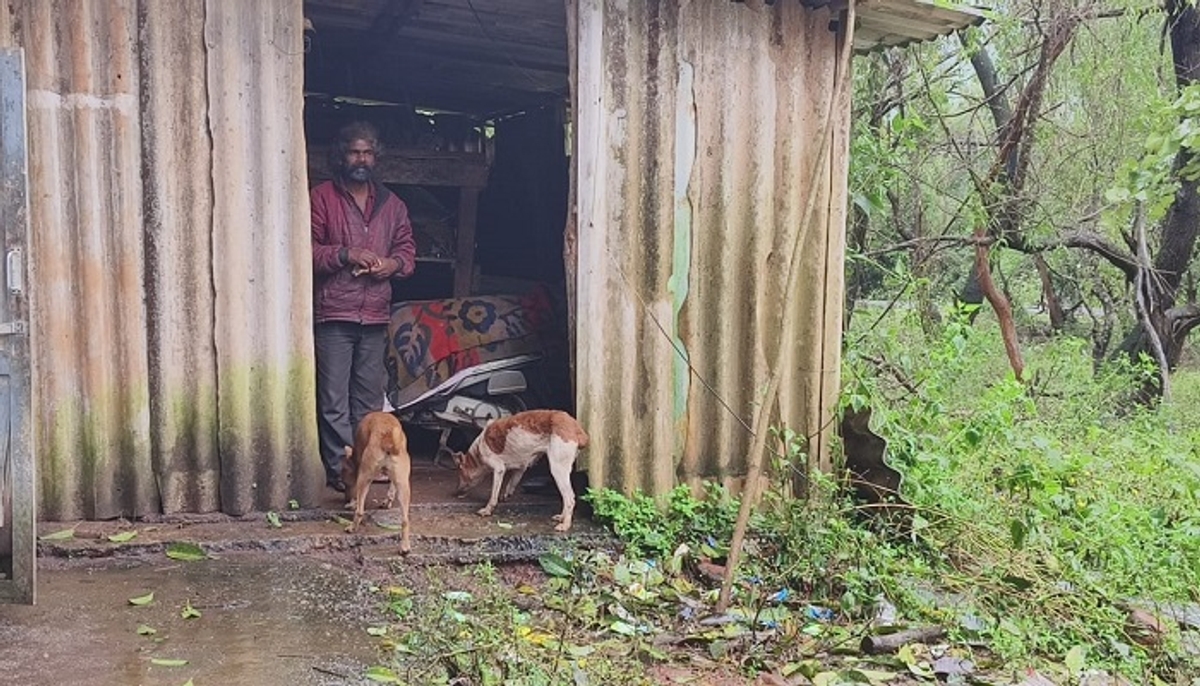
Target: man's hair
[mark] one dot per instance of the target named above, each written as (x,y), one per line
(354,131)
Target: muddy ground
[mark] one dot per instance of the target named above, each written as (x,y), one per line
(279,605)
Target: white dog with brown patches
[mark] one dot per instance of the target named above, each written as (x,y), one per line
(509,445)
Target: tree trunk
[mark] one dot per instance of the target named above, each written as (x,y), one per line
(1181,226)
(1049,295)
(856,275)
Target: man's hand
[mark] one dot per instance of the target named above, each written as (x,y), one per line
(362,261)
(386,267)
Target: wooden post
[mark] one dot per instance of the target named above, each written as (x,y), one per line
(464,262)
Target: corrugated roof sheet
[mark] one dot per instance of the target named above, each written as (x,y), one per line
(486,56)
(887,23)
(697,125)
(171,324)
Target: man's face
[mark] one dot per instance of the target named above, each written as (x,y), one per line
(360,160)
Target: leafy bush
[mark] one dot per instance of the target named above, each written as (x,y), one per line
(648,530)
(1041,512)
(1051,504)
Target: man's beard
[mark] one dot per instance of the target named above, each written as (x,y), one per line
(359,172)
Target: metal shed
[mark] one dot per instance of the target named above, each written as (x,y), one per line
(168,271)
(169,283)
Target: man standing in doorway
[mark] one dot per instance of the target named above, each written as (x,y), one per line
(362,239)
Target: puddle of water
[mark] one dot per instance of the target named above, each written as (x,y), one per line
(266,620)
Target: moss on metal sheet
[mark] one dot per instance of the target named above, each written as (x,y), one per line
(93,456)
(268,436)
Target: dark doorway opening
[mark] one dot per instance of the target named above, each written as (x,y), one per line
(471,101)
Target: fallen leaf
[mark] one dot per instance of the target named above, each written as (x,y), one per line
(389,527)
(1076,659)
(580,651)
(381,675)
(1032,678)
(536,636)
(555,565)
(953,665)
(807,668)
(186,552)
(341,521)
(123,537)
(457,596)
(826,679)
(142,600)
(293,504)
(504,525)
(273,520)
(377,630)
(189,612)
(167,662)
(146,630)
(622,628)
(65,534)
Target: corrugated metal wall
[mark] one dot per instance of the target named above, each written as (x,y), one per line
(698,124)
(171,291)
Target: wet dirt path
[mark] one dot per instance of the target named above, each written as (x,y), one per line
(266,620)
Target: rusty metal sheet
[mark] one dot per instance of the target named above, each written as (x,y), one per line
(177,158)
(88,316)
(262,255)
(698,124)
(170,284)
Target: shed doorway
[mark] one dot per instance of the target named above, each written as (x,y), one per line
(471,101)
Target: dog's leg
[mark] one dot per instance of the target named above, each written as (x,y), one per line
(402,485)
(562,458)
(497,480)
(360,506)
(511,478)
(361,486)
(391,494)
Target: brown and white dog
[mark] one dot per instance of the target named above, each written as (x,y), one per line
(509,445)
(379,443)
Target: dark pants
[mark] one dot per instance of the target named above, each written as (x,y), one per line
(350,384)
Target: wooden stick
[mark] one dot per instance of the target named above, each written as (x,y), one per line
(890,643)
(763,412)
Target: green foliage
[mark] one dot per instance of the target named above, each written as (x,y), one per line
(1153,177)
(469,628)
(1040,512)
(814,546)
(650,531)
(1047,505)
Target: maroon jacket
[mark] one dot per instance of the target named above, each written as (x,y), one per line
(337,223)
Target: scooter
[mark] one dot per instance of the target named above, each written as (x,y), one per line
(469,399)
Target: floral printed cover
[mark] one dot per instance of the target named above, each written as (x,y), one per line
(431,340)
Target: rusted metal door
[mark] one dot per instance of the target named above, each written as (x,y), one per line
(17,542)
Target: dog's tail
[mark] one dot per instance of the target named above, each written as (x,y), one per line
(393,441)
(574,432)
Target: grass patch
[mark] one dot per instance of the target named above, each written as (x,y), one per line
(1043,516)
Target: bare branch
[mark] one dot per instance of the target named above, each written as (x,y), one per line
(1147,303)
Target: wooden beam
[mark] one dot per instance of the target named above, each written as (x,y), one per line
(464,267)
(440,45)
(414,167)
